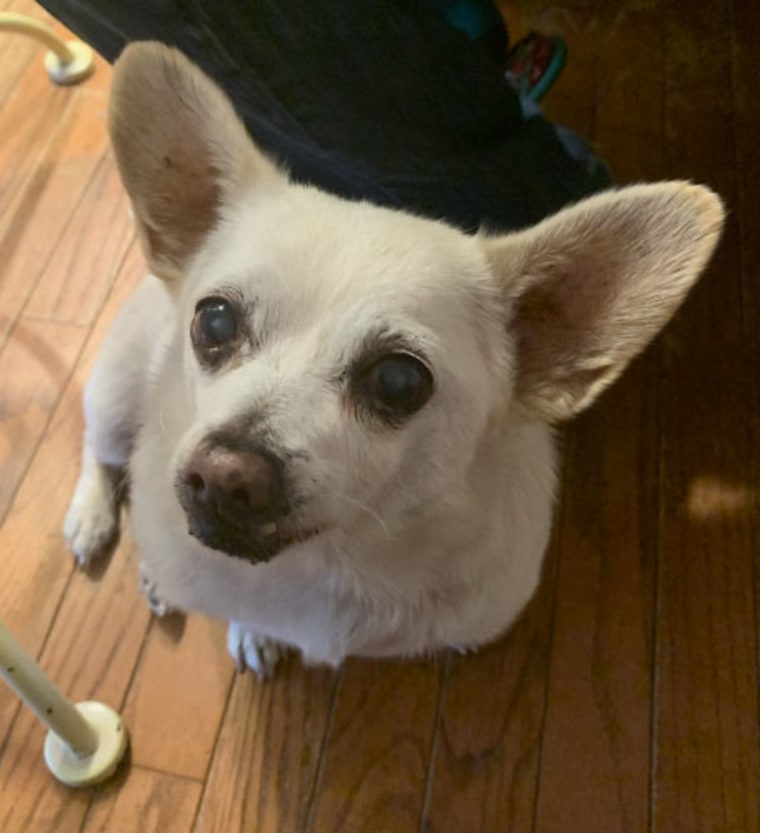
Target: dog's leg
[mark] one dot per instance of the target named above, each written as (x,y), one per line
(251,651)
(149,589)
(91,525)
(112,400)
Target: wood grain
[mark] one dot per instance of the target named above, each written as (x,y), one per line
(175,706)
(484,775)
(145,801)
(27,131)
(51,192)
(631,137)
(80,272)
(32,108)
(35,366)
(573,103)
(17,52)
(378,749)
(265,763)
(706,773)
(594,772)
(746,122)
(597,747)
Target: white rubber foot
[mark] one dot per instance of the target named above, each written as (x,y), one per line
(71,72)
(75,771)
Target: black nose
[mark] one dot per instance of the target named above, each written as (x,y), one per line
(230,496)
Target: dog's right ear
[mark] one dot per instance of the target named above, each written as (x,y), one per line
(183,153)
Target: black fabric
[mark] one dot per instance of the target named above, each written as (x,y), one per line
(379,100)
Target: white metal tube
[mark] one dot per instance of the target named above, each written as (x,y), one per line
(30,682)
(24,25)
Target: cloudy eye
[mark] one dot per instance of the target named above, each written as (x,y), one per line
(397,385)
(214,328)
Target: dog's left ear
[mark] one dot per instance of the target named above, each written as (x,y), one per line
(588,288)
(183,153)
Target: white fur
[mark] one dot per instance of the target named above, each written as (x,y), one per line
(434,532)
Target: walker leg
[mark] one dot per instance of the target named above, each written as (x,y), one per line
(86,741)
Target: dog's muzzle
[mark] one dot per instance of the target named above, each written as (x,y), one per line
(234,500)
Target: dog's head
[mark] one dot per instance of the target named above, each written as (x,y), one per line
(345,366)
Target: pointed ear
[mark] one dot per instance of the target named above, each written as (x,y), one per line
(589,287)
(182,152)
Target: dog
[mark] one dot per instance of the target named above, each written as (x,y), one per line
(336,418)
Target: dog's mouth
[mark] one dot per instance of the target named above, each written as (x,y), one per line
(258,545)
(289,536)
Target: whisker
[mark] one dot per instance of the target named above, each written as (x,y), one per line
(371,512)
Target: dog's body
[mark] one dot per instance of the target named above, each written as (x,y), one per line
(336,417)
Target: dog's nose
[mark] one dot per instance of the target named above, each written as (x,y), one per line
(231,482)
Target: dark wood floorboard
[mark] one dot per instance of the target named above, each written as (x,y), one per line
(706,675)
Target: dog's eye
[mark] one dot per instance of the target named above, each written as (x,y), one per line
(214,325)
(400,384)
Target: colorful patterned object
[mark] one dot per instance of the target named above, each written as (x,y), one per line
(534,64)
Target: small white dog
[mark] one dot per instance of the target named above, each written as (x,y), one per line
(336,417)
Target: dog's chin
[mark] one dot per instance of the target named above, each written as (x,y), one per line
(258,548)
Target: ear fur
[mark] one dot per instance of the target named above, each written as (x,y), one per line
(589,287)
(181,149)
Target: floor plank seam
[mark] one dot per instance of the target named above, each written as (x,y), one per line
(740,189)
(655,628)
(57,403)
(159,771)
(656,595)
(430,774)
(122,704)
(35,56)
(559,520)
(35,281)
(318,770)
(36,162)
(217,735)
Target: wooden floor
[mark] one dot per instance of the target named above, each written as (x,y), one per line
(626,699)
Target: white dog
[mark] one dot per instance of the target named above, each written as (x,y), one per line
(336,417)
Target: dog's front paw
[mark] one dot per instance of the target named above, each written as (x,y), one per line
(91,526)
(148,588)
(249,650)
